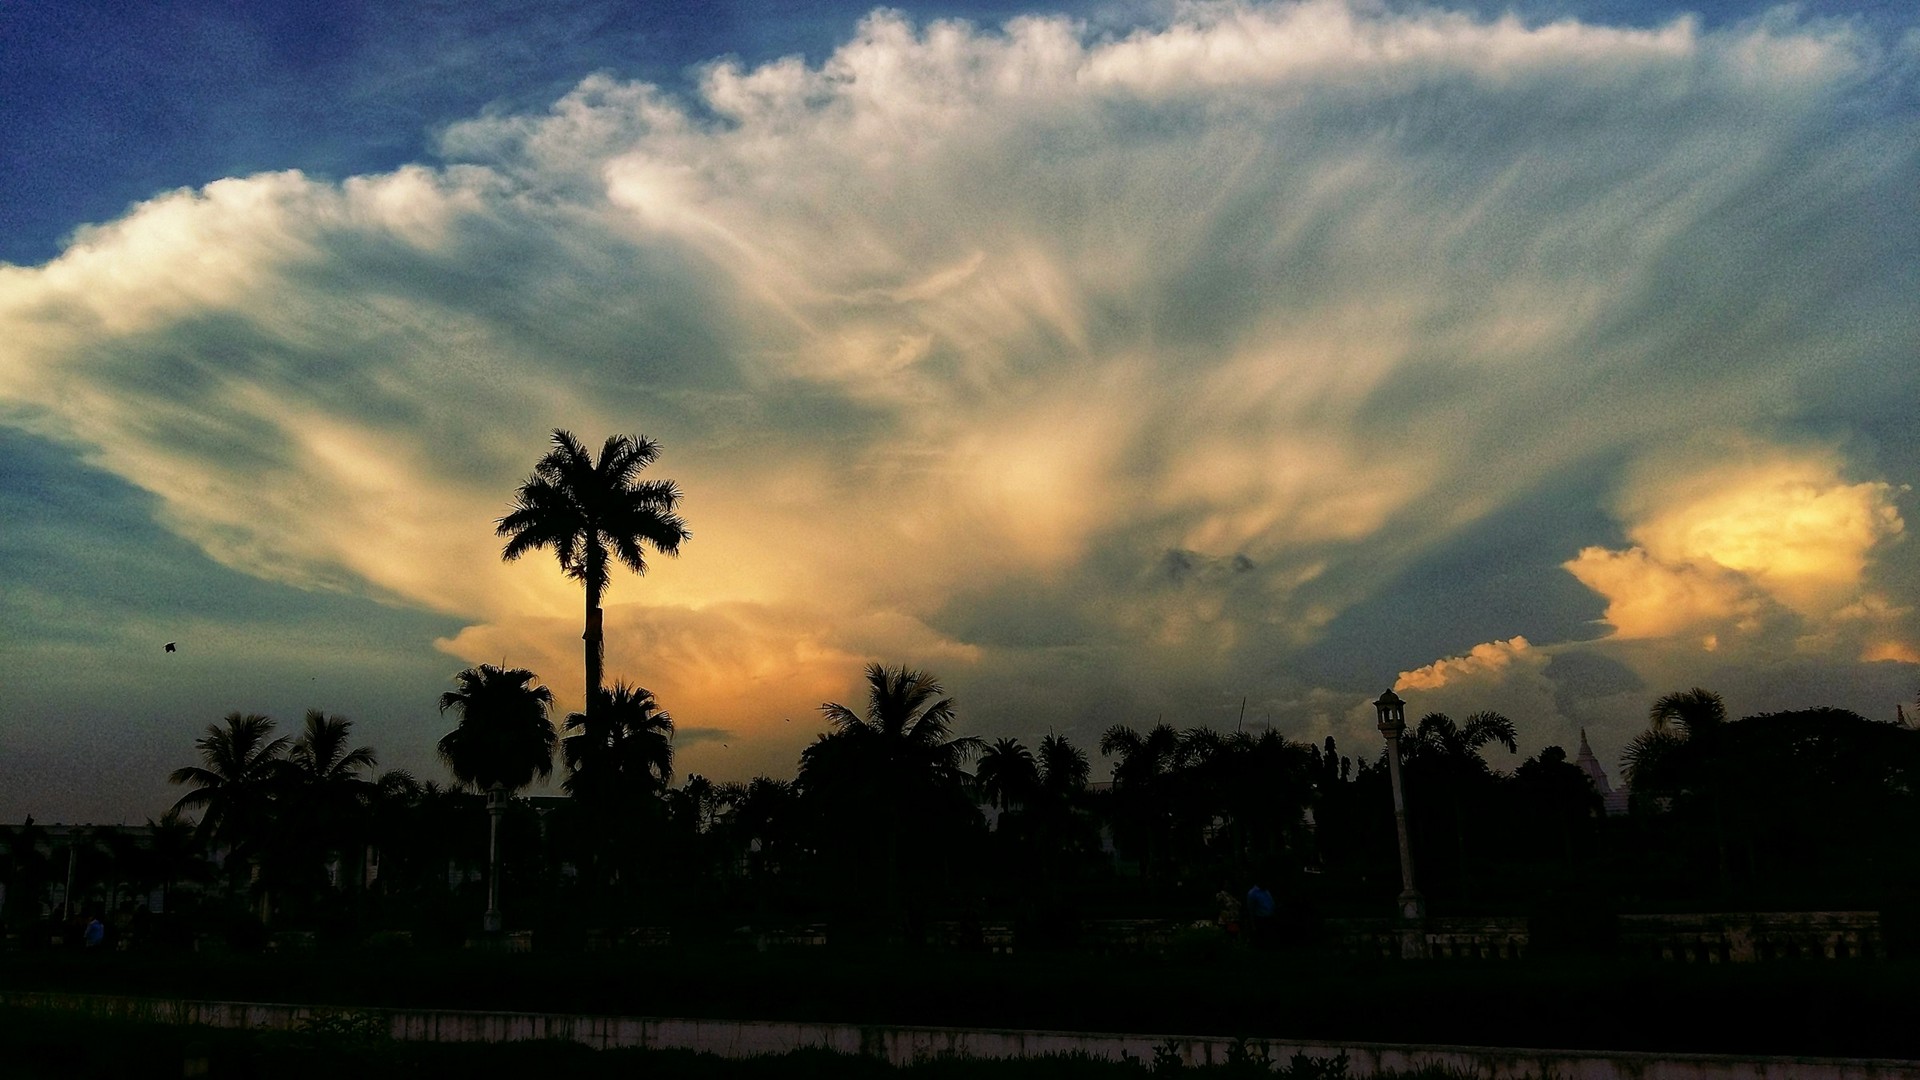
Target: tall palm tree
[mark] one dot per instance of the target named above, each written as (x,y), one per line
(504,741)
(591,513)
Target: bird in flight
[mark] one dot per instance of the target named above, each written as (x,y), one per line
(170,646)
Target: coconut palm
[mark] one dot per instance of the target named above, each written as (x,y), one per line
(326,795)
(504,741)
(592,513)
(1063,767)
(909,723)
(621,751)
(893,766)
(1143,787)
(1459,745)
(1007,774)
(234,784)
(1677,756)
(1444,758)
(619,757)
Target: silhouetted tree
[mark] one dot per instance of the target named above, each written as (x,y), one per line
(621,753)
(1007,774)
(178,854)
(327,798)
(756,821)
(1063,767)
(1676,759)
(619,759)
(1444,764)
(234,786)
(503,742)
(591,513)
(1557,803)
(891,769)
(1142,800)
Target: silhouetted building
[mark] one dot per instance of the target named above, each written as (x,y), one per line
(1614,801)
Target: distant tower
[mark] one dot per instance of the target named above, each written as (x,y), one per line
(1615,802)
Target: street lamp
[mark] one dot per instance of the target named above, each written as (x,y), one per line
(1413,906)
(493,922)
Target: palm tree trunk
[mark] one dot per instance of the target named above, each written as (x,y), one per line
(595,648)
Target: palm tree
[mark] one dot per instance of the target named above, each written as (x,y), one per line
(177,853)
(503,742)
(622,750)
(1007,774)
(893,765)
(1459,745)
(1678,755)
(234,785)
(329,797)
(755,823)
(1063,767)
(592,512)
(1143,780)
(1682,729)
(1446,756)
(619,757)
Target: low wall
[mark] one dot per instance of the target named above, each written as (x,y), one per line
(904,1045)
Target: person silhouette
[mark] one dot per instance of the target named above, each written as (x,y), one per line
(1259,915)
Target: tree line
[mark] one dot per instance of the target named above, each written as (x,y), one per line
(893,826)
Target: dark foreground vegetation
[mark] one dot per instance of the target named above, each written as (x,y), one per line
(55,1047)
(1785,1007)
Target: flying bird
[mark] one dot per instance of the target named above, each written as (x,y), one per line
(170,646)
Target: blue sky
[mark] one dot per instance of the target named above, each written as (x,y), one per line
(1117,362)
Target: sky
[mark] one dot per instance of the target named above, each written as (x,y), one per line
(1203,363)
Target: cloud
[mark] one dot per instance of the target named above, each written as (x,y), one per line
(1728,542)
(1491,658)
(959,324)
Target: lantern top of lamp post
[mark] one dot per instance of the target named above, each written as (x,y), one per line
(1393,714)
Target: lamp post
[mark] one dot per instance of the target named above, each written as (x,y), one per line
(493,922)
(1413,906)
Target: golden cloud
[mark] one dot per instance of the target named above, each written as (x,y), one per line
(1717,543)
(1489,659)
